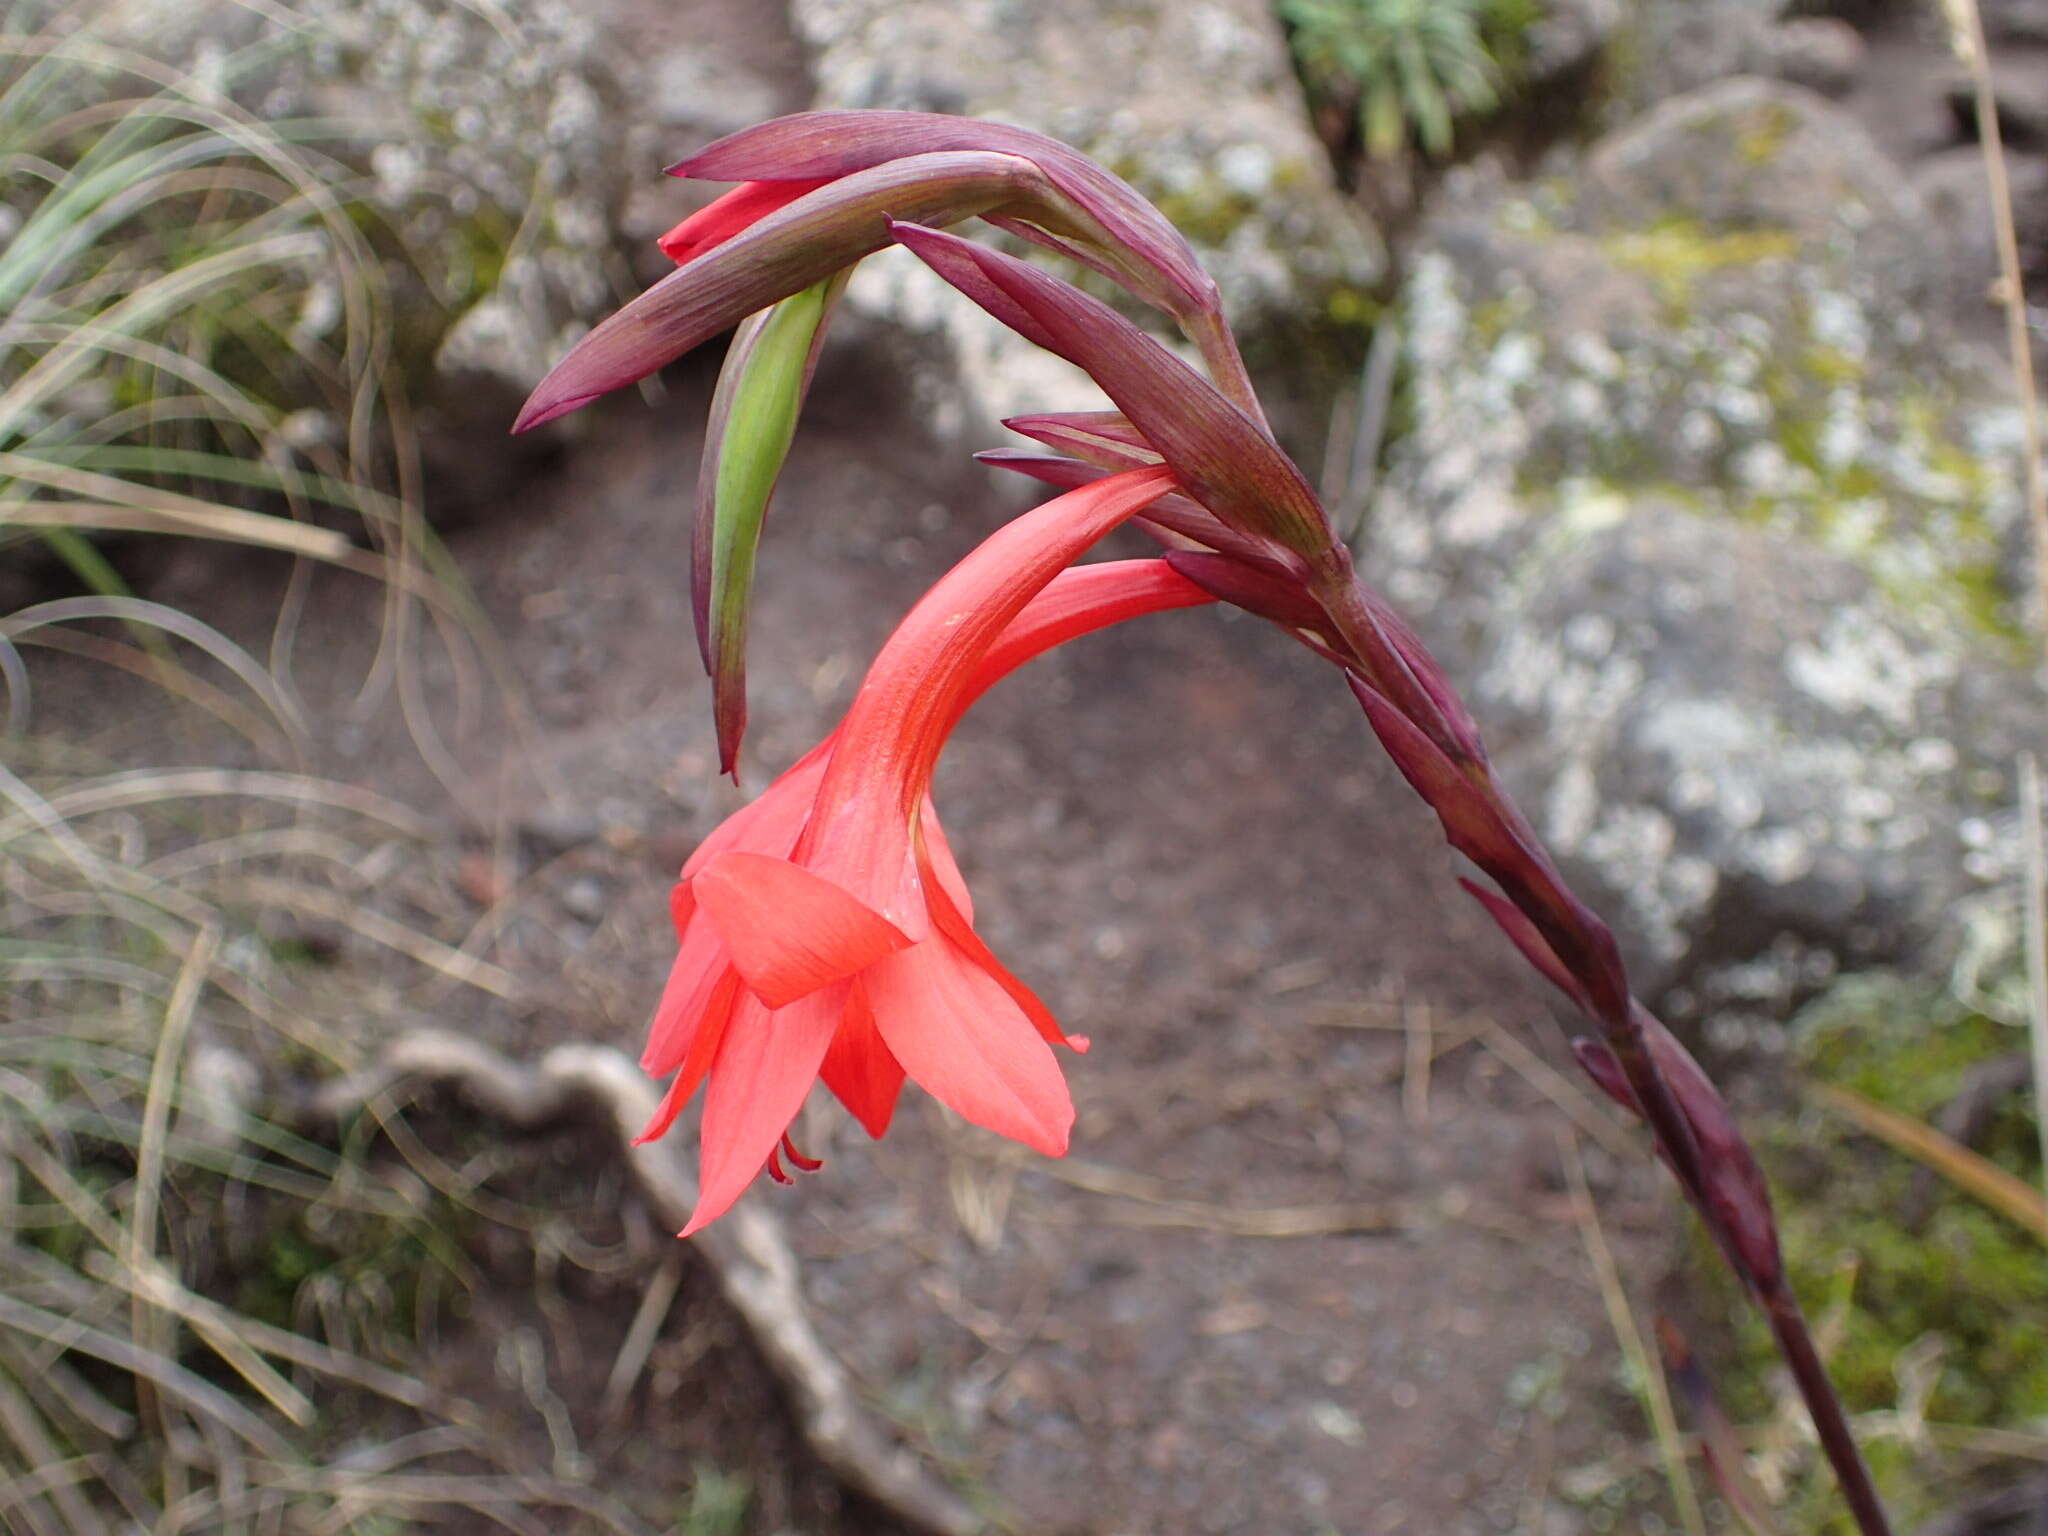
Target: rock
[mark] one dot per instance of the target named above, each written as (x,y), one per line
(1679,45)
(1952,187)
(1568,35)
(1196,102)
(2019,86)
(2014,21)
(586,898)
(1822,53)
(1721,534)
(1749,154)
(483,148)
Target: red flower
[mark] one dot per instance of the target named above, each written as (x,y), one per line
(825,930)
(725,216)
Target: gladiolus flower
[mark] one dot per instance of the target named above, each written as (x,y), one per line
(825,930)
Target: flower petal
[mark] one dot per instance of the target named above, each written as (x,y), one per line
(892,735)
(724,217)
(789,931)
(944,868)
(957,925)
(771,822)
(764,1068)
(959,1035)
(859,1068)
(693,1063)
(700,964)
(1078,601)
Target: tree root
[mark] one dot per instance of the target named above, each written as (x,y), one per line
(747,1249)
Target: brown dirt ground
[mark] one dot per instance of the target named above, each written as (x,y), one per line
(1183,835)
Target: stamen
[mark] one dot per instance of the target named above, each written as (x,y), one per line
(775,1167)
(805,1164)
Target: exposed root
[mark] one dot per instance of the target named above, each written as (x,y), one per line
(756,1268)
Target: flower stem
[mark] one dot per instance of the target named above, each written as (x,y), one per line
(1482,821)
(1830,1422)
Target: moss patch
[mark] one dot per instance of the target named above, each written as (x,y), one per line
(1916,1270)
(1676,252)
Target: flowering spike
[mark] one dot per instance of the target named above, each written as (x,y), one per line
(724,217)
(1256,584)
(1478,823)
(1090,434)
(1106,218)
(782,253)
(1730,1188)
(753,421)
(1174,520)
(958,265)
(1523,935)
(1600,1064)
(1050,468)
(1220,454)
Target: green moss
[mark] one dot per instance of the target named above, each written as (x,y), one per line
(383,1271)
(1963,1281)
(1676,252)
(1352,308)
(1492,319)
(1760,142)
(1830,366)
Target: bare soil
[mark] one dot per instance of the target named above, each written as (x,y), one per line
(1310,1266)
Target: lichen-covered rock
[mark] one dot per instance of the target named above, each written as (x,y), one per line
(1952,187)
(2015,21)
(2019,89)
(1677,46)
(1567,35)
(1194,102)
(1822,53)
(483,134)
(479,151)
(1722,533)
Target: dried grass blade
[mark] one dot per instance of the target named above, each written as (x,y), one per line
(2035,873)
(1974,1175)
(201,520)
(1621,1317)
(197,1394)
(455,964)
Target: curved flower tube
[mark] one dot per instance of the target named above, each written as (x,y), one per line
(825,931)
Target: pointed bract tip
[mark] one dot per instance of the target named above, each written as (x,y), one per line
(1599,1063)
(539,410)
